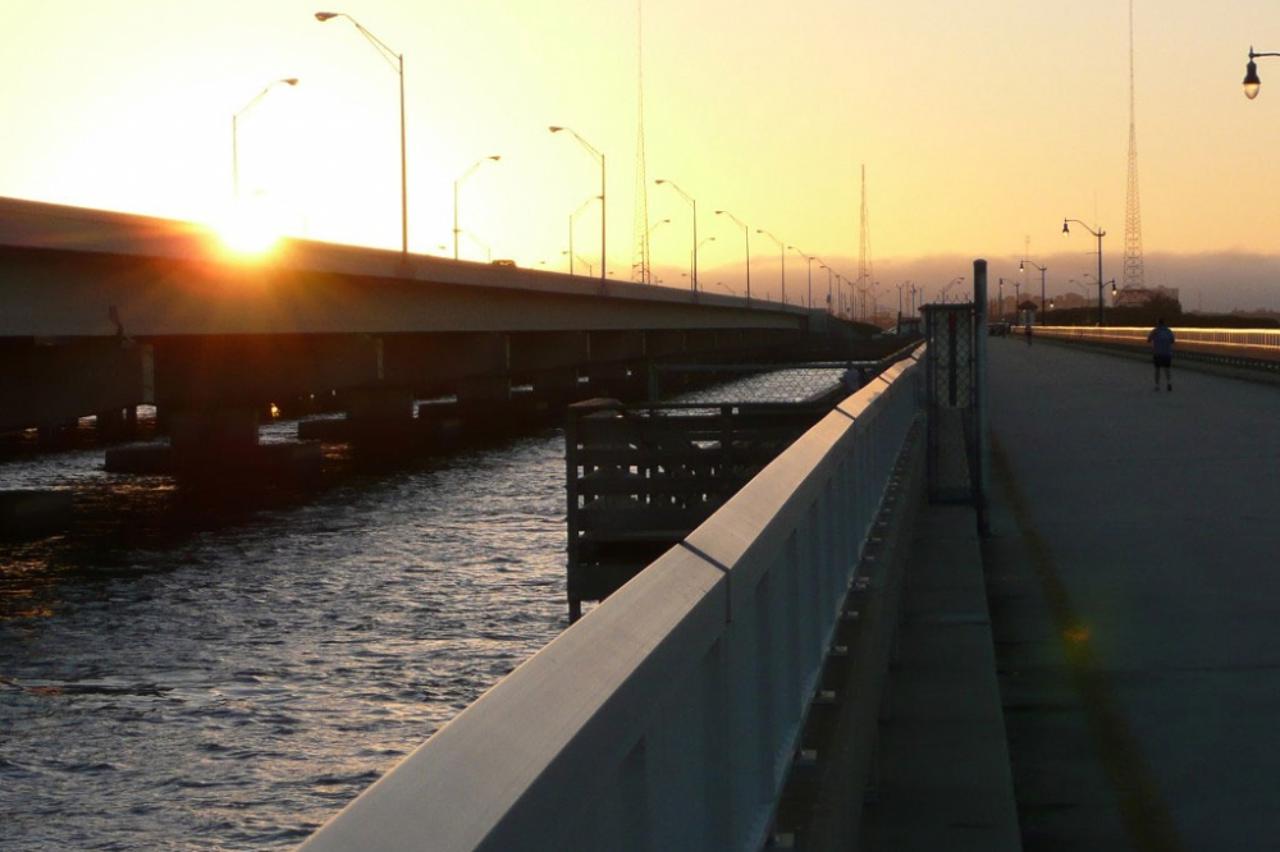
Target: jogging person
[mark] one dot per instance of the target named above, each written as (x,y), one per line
(1161,340)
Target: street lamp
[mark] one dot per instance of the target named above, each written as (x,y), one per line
(591,149)
(946,288)
(705,240)
(477,164)
(647,235)
(810,260)
(388,54)
(572,216)
(1022,268)
(1252,83)
(590,268)
(693,282)
(235,146)
(822,265)
(746,236)
(1099,234)
(782,253)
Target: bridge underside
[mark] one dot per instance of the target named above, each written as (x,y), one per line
(104,311)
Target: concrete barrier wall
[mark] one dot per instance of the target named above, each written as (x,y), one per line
(1254,342)
(667,717)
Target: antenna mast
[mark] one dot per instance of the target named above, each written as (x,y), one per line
(1133,271)
(864,249)
(641,270)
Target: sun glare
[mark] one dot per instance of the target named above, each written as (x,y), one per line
(248,231)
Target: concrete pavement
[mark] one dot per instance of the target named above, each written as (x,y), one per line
(1137,612)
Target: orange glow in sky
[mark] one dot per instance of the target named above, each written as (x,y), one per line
(981,124)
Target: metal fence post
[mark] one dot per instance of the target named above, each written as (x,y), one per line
(982,446)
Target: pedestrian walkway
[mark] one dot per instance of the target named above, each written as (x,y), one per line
(943,780)
(1132,573)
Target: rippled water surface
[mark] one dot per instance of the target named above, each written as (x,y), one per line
(182,671)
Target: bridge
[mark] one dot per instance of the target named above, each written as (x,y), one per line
(103,311)
(831,659)
(834,661)
(106,311)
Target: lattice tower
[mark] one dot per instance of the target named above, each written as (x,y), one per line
(864,248)
(1133,271)
(641,270)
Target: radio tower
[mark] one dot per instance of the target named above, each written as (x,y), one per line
(640,269)
(1133,274)
(864,249)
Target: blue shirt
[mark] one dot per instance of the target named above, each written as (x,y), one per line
(1161,340)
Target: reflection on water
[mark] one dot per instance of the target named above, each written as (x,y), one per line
(186,671)
(191,669)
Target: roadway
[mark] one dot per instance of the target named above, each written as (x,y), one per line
(1131,571)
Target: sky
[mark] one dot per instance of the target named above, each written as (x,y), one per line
(981,126)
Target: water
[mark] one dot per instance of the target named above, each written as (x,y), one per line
(181,673)
(183,670)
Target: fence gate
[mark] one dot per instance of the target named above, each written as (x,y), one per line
(951,400)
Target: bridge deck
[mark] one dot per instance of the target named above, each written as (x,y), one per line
(1132,573)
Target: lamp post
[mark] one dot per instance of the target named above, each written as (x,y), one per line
(1252,82)
(746,236)
(593,151)
(590,268)
(235,144)
(704,241)
(809,259)
(572,217)
(693,281)
(387,54)
(942,296)
(1043,269)
(830,273)
(477,164)
(782,253)
(1099,234)
(647,235)
(1000,298)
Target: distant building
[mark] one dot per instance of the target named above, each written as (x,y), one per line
(1140,297)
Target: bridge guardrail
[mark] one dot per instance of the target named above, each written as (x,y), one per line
(665,718)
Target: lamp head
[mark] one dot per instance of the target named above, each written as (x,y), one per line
(1021,268)
(292,81)
(1251,80)
(495,157)
(555,129)
(660,181)
(719,212)
(1065,229)
(324,16)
